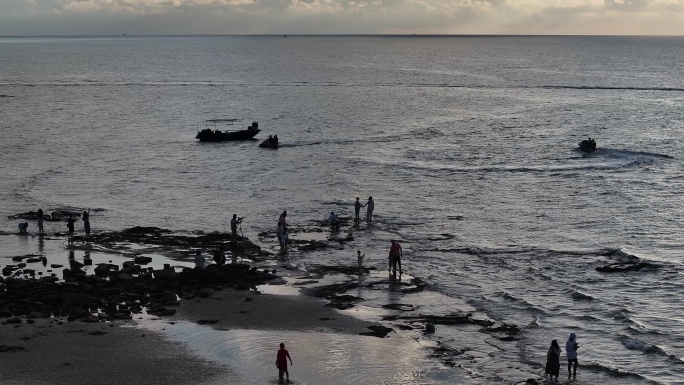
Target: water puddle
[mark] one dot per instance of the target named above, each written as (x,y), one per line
(311,236)
(319,358)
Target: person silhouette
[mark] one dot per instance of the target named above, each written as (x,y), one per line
(281,363)
(553,360)
(369,210)
(571,353)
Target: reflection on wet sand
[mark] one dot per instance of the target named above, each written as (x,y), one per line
(319,358)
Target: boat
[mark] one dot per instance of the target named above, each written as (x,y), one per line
(270,142)
(588,145)
(233,129)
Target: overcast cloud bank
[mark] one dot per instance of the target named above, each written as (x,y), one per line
(186,17)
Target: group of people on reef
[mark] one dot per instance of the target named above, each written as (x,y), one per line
(553,357)
(40,217)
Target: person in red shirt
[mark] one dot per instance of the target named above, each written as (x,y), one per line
(281,363)
(395,254)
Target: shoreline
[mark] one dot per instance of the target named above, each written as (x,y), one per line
(79,348)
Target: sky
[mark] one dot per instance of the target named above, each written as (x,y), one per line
(200,17)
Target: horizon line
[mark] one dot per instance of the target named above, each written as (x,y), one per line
(330,35)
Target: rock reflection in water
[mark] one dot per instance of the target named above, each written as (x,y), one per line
(319,358)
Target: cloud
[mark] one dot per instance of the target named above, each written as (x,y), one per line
(46,17)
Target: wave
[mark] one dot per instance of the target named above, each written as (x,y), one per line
(633,344)
(620,315)
(579,296)
(551,87)
(615,372)
(613,88)
(378,139)
(603,159)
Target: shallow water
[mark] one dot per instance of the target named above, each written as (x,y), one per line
(468,145)
(318,358)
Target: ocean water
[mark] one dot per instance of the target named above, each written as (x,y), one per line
(468,146)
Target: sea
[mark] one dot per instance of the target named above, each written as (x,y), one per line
(467,144)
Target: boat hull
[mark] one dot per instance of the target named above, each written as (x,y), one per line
(267,144)
(587,146)
(219,136)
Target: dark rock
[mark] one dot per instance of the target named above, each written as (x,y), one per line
(505,332)
(10,349)
(207,321)
(49,279)
(377,331)
(142,260)
(624,267)
(14,320)
(399,306)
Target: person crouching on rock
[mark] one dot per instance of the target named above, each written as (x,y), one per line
(200,260)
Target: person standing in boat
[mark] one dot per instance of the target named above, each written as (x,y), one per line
(275,140)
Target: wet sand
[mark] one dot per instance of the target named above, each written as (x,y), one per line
(99,353)
(122,353)
(248,310)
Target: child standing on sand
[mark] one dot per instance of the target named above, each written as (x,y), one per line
(360,258)
(281,363)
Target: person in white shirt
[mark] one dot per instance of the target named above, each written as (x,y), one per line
(333,219)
